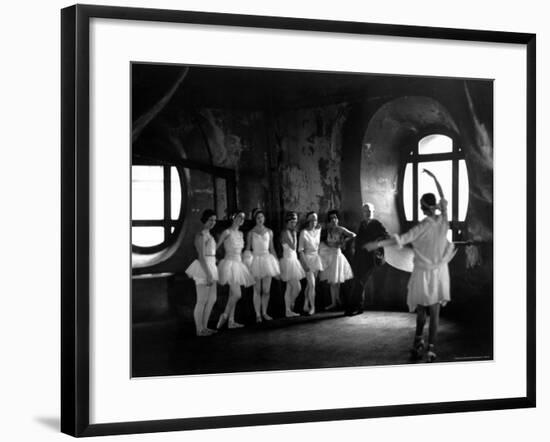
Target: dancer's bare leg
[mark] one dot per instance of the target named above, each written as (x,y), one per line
(434,325)
(229,312)
(266,294)
(418,343)
(256,299)
(420,320)
(236,291)
(212,296)
(290,298)
(334,295)
(309,305)
(198,311)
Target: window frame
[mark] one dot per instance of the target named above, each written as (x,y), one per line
(166,222)
(413,157)
(180,164)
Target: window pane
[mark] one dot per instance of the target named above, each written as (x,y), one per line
(147,193)
(443,170)
(435,144)
(147,236)
(463,190)
(408,192)
(175,192)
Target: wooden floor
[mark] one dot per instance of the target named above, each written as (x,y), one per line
(325,340)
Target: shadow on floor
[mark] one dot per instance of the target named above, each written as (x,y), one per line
(325,340)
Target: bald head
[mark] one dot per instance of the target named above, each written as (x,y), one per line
(368,211)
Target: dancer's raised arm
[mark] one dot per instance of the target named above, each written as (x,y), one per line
(442,201)
(439,189)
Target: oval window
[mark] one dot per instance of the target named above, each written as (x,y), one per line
(156,206)
(439,154)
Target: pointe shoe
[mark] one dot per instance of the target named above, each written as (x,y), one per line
(221,321)
(431,356)
(417,350)
(233,324)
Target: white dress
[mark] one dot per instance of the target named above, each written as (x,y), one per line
(429,282)
(336,266)
(231,268)
(263,263)
(309,246)
(291,269)
(195,270)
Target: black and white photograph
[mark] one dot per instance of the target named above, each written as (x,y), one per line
(275,220)
(304,220)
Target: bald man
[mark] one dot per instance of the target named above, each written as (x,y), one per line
(365,263)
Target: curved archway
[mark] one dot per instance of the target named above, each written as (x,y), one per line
(387,141)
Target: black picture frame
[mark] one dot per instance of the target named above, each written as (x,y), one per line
(75,211)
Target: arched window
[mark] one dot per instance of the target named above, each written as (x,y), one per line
(157,192)
(443,156)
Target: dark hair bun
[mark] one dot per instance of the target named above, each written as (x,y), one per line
(428,199)
(207,214)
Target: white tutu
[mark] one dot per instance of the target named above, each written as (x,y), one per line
(309,246)
(313,262)
(428,287)
(247,258)
(196,271)
(264,265)
(232,270)
(290,266)
(336,266)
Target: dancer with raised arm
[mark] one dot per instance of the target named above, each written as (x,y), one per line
(308,250)
(428,287)
(336,267)
(263,264)
(291,269)
(205,274)
(232,270)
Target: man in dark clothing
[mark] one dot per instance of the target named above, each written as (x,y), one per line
(365,263)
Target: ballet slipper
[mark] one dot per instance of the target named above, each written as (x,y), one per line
(291,314)
(221,321)
(203,333)
(266,317)
(211,331)
(233,324)
(258,319)
(418,349)
(431,356)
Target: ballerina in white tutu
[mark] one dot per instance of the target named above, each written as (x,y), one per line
(308,250)
(291,269)
(263,264)
(336,268)
(429,285)
(232,270)
(205,274)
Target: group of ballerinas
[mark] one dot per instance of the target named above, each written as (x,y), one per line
(307,255)
(304,256)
